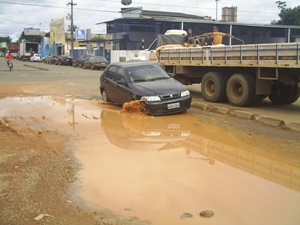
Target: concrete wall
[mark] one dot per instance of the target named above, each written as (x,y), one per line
(123,55)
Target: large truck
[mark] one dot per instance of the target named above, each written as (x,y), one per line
(240,74)
(27,49)
(13,48)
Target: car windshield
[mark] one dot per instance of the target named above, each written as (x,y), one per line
(100,59)
(146,73)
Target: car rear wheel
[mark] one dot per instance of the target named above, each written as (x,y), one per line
(104,96)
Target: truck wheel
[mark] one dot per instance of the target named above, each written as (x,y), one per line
(213,87)
(240,90)
(283,94)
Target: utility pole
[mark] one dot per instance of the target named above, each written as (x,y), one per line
(217,10)
(72,41)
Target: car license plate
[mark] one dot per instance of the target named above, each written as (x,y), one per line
(173,105)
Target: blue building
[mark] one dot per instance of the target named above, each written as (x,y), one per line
(137,24)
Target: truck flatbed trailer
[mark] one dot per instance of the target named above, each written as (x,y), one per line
(241,74)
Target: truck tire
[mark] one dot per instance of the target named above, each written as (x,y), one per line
(213,87)
(283,94)
(240,90)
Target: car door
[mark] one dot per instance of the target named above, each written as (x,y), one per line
(109,83)
(122,91)
(90,62)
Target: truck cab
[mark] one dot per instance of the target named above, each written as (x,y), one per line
(150,52)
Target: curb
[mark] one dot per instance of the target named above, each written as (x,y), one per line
(274,122)
(271,121)
(36,67)
(220,110)
(294,126)
(243,114)
(201,106)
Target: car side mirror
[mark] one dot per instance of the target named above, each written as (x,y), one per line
(122,82)
(172,75)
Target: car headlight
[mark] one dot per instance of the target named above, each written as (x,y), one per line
(150,98)
(151,133)
(185,93)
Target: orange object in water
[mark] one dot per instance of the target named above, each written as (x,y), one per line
(132,106)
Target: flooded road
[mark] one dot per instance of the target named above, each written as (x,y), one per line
(165,170)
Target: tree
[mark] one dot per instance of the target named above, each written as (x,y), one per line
(5,39)
(288,16)
(98,37)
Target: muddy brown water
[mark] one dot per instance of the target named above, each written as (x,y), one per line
(160,169)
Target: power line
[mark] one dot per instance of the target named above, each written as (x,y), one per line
(110,11)
(56,7)
(16,22)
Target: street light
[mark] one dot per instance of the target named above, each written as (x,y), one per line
(217,10)
(72,42)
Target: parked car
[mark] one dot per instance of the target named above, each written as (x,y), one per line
(64,60)
(36,58)
(15,54)
(157,91)
(47,59)
(52,59)
(80,60)
(96,62)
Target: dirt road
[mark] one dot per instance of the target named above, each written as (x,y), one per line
(37,166)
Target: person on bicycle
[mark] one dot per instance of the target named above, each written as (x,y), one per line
(9,56)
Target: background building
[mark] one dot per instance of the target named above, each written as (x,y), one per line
(139,26)
(229,14)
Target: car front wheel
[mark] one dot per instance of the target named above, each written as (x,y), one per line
(104,96)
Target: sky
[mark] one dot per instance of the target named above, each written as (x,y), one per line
(15,15)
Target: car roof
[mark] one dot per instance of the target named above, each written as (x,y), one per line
(133,63)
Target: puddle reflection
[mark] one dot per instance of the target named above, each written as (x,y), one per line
(136,132)
(163,167)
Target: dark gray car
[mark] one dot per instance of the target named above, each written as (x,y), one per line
(158,93)
(96,62)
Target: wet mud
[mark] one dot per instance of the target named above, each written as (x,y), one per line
(167,170)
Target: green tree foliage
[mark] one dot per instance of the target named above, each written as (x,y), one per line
(288,16)
(5,39)
(98,37)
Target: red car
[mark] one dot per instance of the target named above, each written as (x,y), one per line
(52,59)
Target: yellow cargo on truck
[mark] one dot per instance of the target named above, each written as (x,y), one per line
(241,74)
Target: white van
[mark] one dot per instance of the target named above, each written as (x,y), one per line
(150,53)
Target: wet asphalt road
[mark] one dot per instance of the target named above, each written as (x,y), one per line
(85,84)
(162,168)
